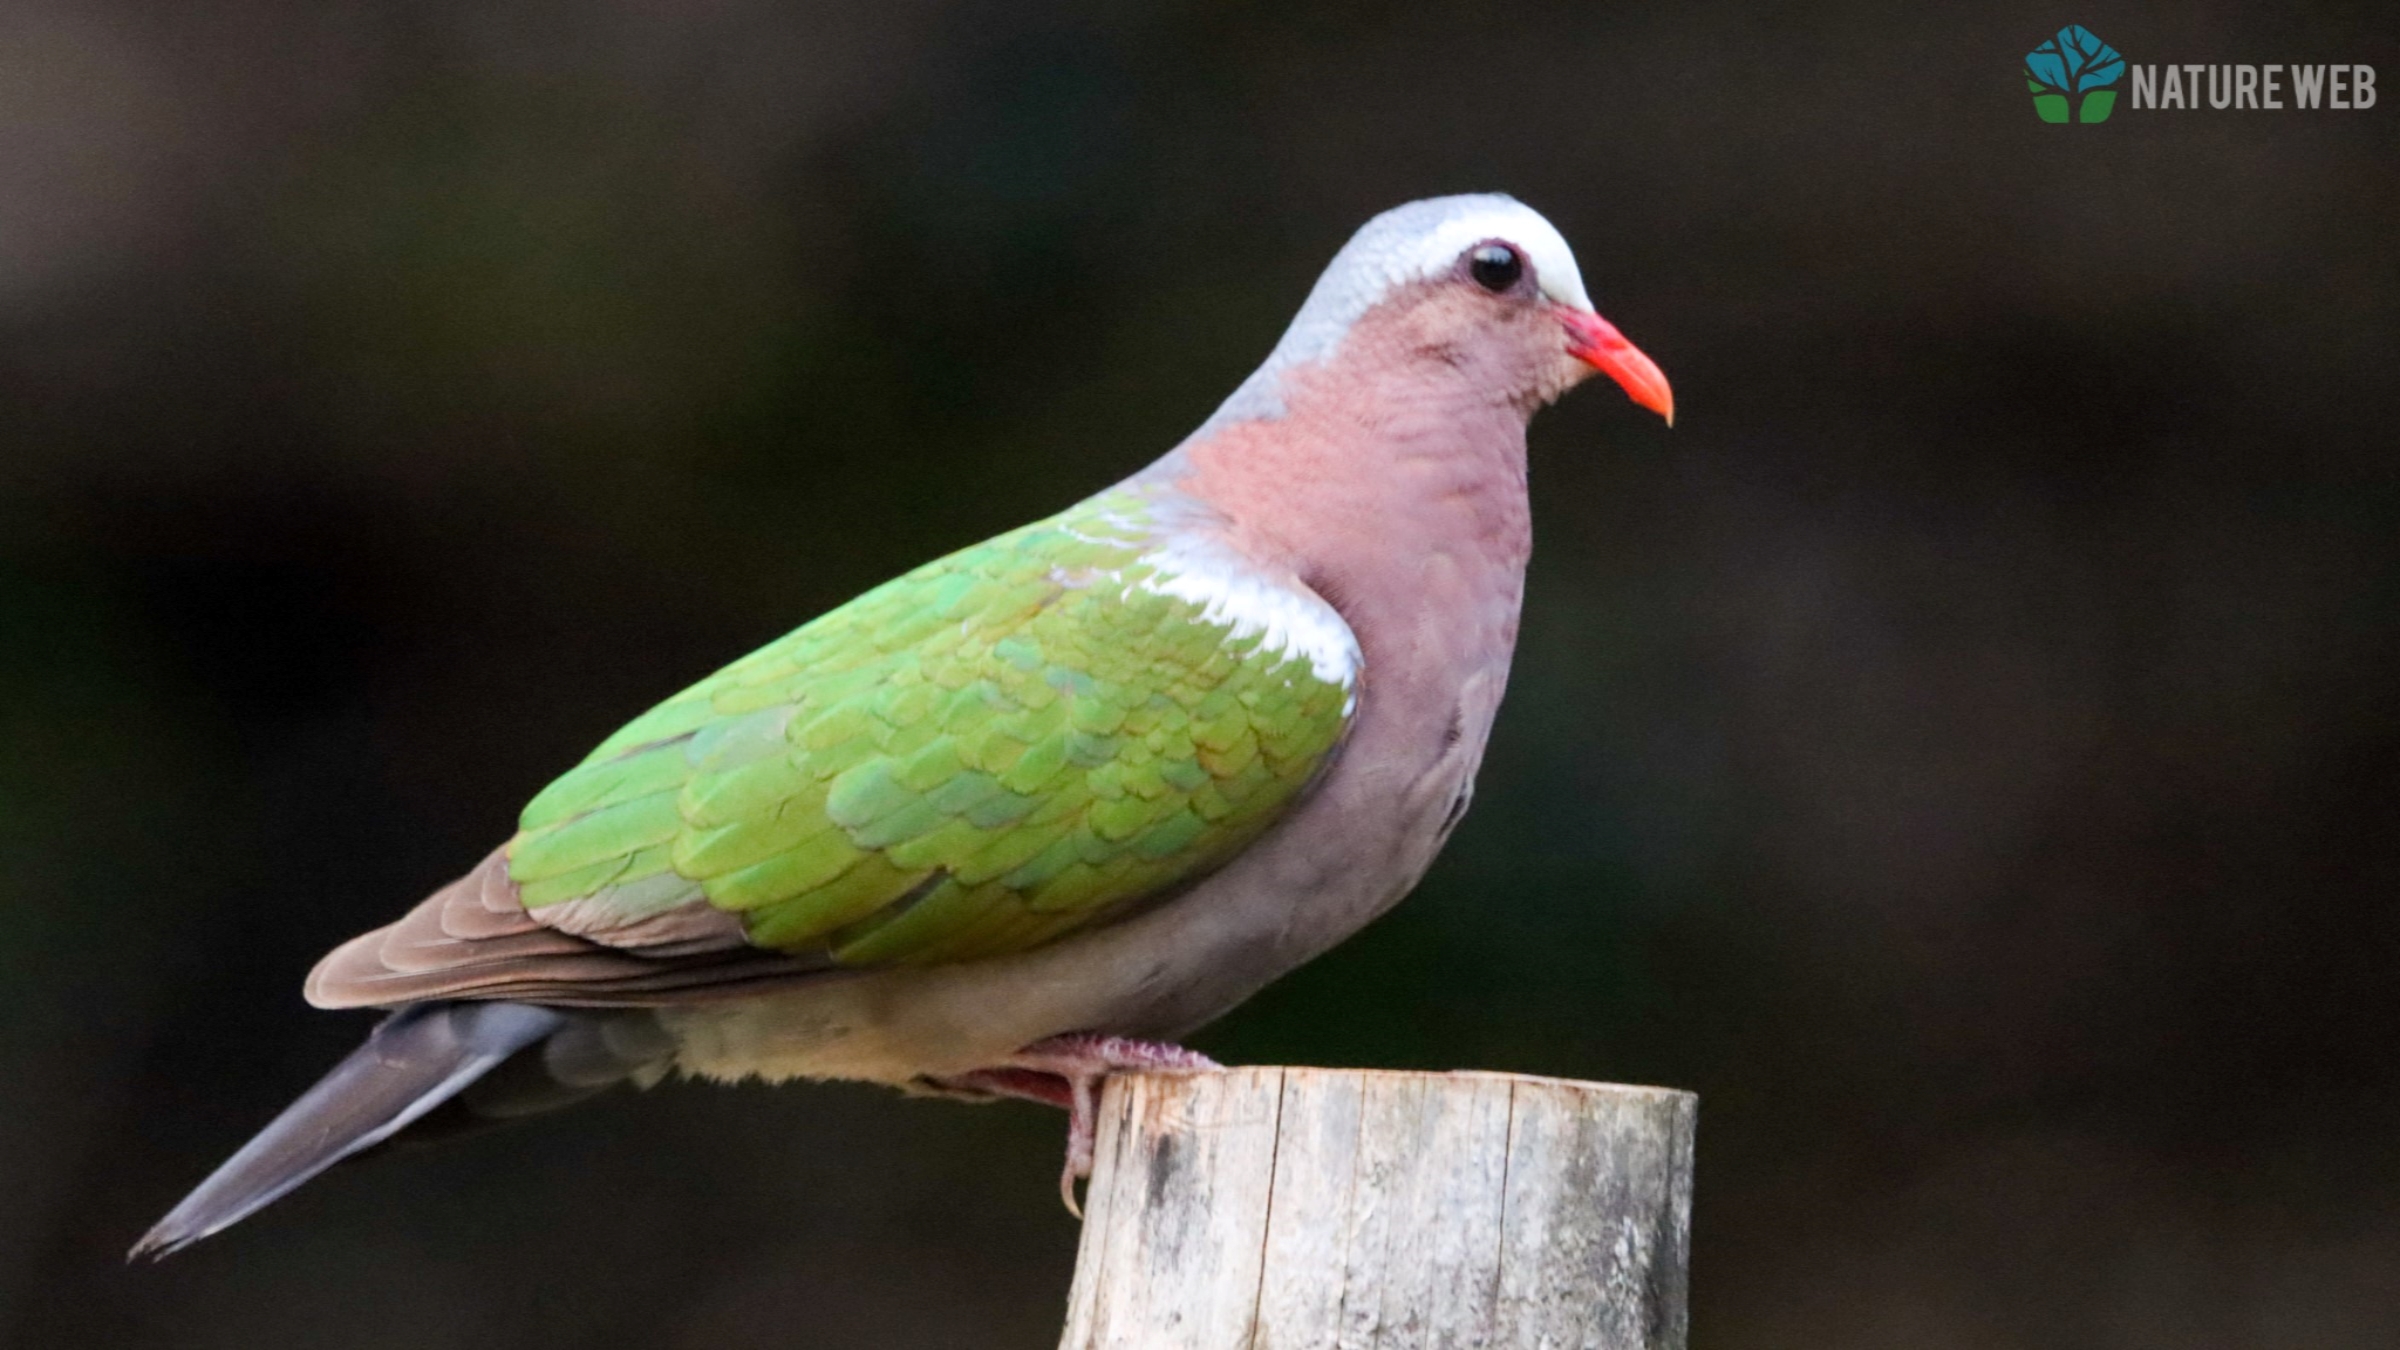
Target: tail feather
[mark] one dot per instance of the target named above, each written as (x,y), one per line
(414,1061)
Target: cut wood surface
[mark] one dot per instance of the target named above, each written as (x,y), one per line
(1294,1207)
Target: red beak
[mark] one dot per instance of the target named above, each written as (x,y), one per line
(1597,343)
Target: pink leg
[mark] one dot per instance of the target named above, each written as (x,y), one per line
(1068,1071)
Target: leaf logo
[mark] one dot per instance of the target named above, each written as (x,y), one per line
(2071,72)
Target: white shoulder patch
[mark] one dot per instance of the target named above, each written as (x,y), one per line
(1293,620)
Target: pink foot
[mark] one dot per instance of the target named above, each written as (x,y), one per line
(1067,1071)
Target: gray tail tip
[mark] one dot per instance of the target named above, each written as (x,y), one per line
(202,1214)
(414,1061)
(163,1241)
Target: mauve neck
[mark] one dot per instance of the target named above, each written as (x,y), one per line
(1365,468)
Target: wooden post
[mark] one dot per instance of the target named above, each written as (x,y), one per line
(1292,1209)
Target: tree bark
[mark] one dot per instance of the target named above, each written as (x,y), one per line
(1293,1208)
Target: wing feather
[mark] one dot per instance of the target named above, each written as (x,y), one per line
(994,750)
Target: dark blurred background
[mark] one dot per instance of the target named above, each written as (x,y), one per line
(1964,749)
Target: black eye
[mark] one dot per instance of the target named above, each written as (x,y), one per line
(1495,267)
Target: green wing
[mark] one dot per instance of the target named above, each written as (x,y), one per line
(992,750)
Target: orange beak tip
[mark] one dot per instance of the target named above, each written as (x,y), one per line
(1597,343)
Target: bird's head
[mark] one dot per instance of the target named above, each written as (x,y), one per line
(1481,285)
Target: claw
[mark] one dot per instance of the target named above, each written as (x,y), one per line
(1066,1193)
(1082,1127)
(1068,1071)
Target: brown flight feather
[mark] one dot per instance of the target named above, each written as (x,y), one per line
(474,939)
